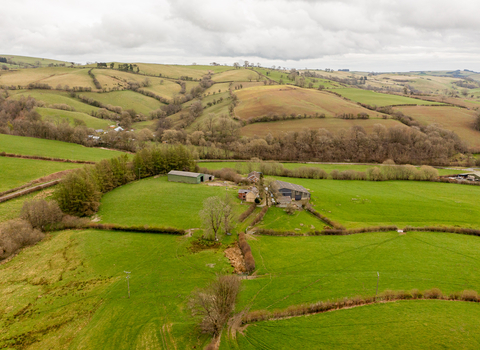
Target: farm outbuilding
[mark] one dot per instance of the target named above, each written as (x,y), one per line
(247,195)
(188,177)
(295,192)
(254,176)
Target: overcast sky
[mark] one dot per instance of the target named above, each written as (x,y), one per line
(367,35)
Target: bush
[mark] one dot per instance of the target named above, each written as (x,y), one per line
(260,216)
(247,212)
(16,234)
(41,214)
(249,262)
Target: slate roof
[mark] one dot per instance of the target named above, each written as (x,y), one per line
(183,173)
(293,187)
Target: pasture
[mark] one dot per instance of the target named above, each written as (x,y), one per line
(59,115)
(81,300)
(15,172)
(378,99)
(51,97)
(300,222)
(31,146)
(177,71)
(127,100)
(34,61)
(158,202)
(417,203)
(236,75)
(279,100)
(296,270)
(421,324)
(52,76)
(459,120)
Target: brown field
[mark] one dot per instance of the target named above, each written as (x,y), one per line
(215,87)
(236,75)
(51,76)
(333,125)
(175,72)
(459,120)
(265,100)
(247,84)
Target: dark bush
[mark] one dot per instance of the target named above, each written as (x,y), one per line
(247,212)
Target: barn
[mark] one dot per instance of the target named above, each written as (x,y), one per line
(286,189)
(188,177)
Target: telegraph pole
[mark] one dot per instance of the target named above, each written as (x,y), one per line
(378,278)
(128,282)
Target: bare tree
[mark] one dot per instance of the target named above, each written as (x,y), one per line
(212,216)
(227,213)
(215,303)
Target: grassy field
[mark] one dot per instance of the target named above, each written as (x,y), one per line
(300,222)
(265,100)
(459,120)
(401,203)
(247,167)
(31,146)
(51,76)
(333,125)
(54,97)
(295,270)
(158,202)
(378,99)
(176,71)
(425,324)
(59,115)
(15,172)
(81,302)
(127,100)
(11,208)
(33,60)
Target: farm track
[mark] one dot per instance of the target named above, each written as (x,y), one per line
(28,190)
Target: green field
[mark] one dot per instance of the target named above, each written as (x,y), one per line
(127,100)
(158,202)
(176,71)
(31,146)
(423,324)
(55,97)
(378,99)
(401,203)
(52,76)
(33,60)
(11,208)
(81,302)
(300,222)
(60,115)
(15,172)
(296,270)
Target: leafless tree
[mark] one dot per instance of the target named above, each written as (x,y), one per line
(212,216)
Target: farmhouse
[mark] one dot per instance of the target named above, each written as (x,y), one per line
(286,189)
(188,177)
(248,195)
(254,176)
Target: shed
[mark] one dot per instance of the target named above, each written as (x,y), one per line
(188,177)
(254,176)
(295,192)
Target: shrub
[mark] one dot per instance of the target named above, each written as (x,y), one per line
(16,234)
(249,262)
(433,293)
(41,214)
(469,295)
(260,216)
(247,212)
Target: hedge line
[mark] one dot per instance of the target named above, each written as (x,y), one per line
(327,232)
(326,220)
(247,212)
(260,216)
(387,295)
(143,229)
(247,252)
(30,190)
(459,230)
(12,155)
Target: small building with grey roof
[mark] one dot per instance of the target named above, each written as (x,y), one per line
(188,177)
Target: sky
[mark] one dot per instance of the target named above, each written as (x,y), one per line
(363,35)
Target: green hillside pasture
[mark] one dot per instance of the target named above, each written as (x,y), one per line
(300,222)
(15,172)
(59,115)
(296,270)
(149,124)
(81,300)
(34,60)
(246,84)
(237,75)
(167,89)
(52,76)
(51,97)
(333,125)
(31,146)
(127,100)
(11,209)
(328,167)
(378,99)
(279,100)
(158,202)
(422,324)
(401,203)
(176,71)
(459,120)
(223,87)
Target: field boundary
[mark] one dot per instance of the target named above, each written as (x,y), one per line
(139,228)
(348,303)
(28,190)
(61,160)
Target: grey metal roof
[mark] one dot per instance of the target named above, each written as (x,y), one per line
(243,191)
(293,187)
(184,173)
